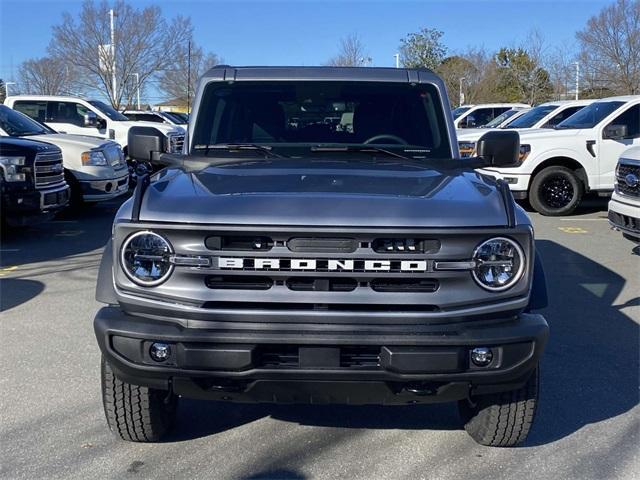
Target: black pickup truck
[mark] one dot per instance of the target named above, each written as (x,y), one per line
(290,259)
(32,184)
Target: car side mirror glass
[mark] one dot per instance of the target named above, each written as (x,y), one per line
(499,148)
(615,132)
(145,144)
(90,119)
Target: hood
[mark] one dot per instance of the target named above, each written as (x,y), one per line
(473,134)
(64,140)
(324,193)
(548,134)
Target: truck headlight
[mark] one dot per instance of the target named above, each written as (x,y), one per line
(94,158)
(145,258)
(499,264)
(11,167)
(466,149)
(175,141)
(525,150)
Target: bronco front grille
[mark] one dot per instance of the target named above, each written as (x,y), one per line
(49,171)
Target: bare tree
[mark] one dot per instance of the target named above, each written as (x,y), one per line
(144,44)
(352,53)
(610,47)
(3,91)
(45,76)
(175,79)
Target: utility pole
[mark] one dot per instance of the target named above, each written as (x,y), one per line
(397,57)
(137,87)
(189,78)
(114,82)
(577,78)
(461,93)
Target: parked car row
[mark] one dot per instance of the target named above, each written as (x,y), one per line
(566,150)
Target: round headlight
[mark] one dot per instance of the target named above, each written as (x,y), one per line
(145,258)
(499,264)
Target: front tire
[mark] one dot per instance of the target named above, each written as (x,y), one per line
(556,191)
(135,413)
(501,419)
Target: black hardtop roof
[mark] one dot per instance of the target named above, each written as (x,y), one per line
(364,74)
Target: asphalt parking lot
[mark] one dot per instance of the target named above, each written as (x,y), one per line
(52,424)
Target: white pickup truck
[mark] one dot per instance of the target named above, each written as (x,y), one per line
(545,115)
(558,166)
(95,169)
(624,207)
(474,116)
(89,117)
(170,118)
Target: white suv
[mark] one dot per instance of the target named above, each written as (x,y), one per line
(474,116)
(624,207)
(89,117)
(545,115)
(579,155)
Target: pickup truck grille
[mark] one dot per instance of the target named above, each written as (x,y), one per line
(49,171)
(176,142)
(628,171)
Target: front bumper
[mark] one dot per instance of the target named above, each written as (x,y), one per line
(293,363)
(623,215)
(518,182)
(33,206)
(100,190)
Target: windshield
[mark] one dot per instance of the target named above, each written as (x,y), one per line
(174,117)
(17,124)
(109,111)
(532,117)
(590,115)
(297,117)
(459,111)
(500,119)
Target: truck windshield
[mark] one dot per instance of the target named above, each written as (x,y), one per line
(590,115)
(17,124)
(496,122)
(297,117)
(109,111)
(533,116)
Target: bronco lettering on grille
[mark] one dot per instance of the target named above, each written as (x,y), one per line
(327,265)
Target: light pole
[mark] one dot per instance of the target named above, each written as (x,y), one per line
(137,87)
(397,57)
(461,93)
(577,64)
(114,82)
(6,88)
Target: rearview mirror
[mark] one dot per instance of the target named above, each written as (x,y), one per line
(145,144)
(615,132)
(90,119)
(499,148)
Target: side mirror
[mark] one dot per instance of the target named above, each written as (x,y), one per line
(90,119)
(145,144)
(499,148)
(615,132)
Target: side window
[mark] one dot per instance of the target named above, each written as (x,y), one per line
(132,116)
(67,112)
(630,118)
(34,109)
(480,117)
(559,117)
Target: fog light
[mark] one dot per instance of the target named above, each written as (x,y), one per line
(481,356)
(160,351)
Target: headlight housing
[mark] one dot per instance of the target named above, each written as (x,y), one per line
(466,149)
(11,167)
(175,142)
(145,258)
(499,264)
(94,158)
(525,150)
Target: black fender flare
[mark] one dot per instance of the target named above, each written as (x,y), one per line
(538,298)
(105,293)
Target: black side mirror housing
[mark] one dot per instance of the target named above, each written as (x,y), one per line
(615,132)
(145,144)
(499,148)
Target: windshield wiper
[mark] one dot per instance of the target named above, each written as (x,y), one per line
(236,147)
(363,148)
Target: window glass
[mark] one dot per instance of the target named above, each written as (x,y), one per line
(17,124)
(504,116)
(479,117)
(108,110)
(630,118)
(459,111)
(32,108)
(590,115)
(67,112)
(533,116)
(561,116)
(287,114)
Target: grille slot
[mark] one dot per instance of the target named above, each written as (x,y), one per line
(278,356)
(405,245)
(48,169)
(322,284)
(323,307)
(360,357)
(239,243)
(323,245)
(426,285)
(238,282)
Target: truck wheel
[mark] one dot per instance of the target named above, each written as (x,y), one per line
(501,419)
(555,191)
(134,413)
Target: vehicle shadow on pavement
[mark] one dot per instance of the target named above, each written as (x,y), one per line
(590,369)
(14,292)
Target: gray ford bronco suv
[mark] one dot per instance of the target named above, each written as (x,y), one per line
(321,241)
